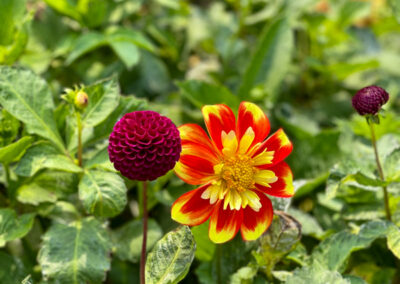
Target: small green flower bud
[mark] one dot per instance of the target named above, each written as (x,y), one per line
(81,100)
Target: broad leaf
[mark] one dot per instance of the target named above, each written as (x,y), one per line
(128,239)
(271,59)
(127,52)
(102,193)
(170,259)
(393,240)
(27,97)
(41,156)
(316,275)
(202,93)
(12,269)
(103,99)
(75,253)
(47,186)
(13,227)
(84,44)
(333,252)
(14,151)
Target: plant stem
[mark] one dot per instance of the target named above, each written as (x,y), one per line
(7,172)
(218,263)
(380,171)
(145,216)
(79,125)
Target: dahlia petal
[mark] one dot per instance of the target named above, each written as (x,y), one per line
(224,223)
(192,176)
(250,115)
(212,193)
(246,140)
(190,209)
(279,143)
(229,143)
(283,187)
(265,177)
(263,158)
(194,135)
(255,223)
(251,199)
(218,118)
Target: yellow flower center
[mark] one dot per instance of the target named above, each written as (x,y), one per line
(238,173)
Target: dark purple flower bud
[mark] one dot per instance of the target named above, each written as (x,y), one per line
(369,100)
(144,145)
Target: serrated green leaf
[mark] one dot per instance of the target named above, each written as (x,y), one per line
(316,275)
(333,252)
(12,269)
(244,275)
(64,7)
(44,156)
(14,151)
(8,128)
(128,239)
(393,240)
(202,93)
(75,253)
(309,225)
(103,99)
(132,36)
(391,166)
(27,97)
(47,186)
(13,227)
(102,193)
(270,60)
(170,259)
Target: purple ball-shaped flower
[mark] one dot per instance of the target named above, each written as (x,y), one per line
(144,145)
(369,100)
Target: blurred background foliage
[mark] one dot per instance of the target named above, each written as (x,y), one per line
(301,61)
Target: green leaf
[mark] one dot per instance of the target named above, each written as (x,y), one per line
(84,44)
(244,275)
(391,166)
(27,97)
(170,259)
(310,226)
(393,240)
(202,93)
(11,12)
(27,280)
(47,186)
(102,193)
(316,275)
(333,252)
(205,248)
(103,99)
(75,253)
(14,151)
(12,269)
(132,36)
(44,156)
(64,7)
(8,128)
(271,59)
(127,52)
(13,227)
(128,239)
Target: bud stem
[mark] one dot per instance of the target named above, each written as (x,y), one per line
(380,171)
(144,241)
(79,125)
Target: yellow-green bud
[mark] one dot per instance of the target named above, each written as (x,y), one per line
(81,100)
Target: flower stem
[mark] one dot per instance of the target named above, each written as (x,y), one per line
(218,263)
(79,125)
(145,216)
(380,170)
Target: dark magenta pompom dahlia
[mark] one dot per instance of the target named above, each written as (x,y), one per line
(369,100)
(144,145)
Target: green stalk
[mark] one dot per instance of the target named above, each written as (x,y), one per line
(218,263)
(79,125)
(380,170)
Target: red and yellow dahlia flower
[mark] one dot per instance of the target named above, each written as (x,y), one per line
(237,167)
